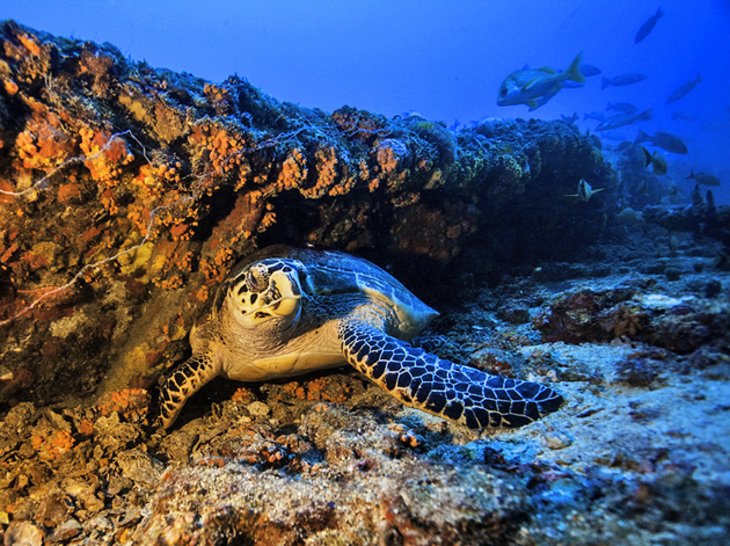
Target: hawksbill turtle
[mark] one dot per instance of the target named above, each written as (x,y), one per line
(286,311)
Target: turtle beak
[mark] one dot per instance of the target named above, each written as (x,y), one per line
(285,306)
(289,301)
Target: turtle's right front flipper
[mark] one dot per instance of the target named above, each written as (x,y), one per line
(459,393)
(182,383)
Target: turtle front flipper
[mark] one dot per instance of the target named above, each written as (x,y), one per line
(424,381)
(182,383)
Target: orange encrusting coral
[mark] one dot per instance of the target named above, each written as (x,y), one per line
(248,215)
(219,97)
(54,446)
(319,389)
(43,144)
(326,167)
(132,404)
(30,43)
(5,192)
(293,171)
(11,88)
(105,155)
(69,193)
(222,149)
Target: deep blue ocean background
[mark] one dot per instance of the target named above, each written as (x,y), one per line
(442,59)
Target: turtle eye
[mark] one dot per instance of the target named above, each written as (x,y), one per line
(257,278)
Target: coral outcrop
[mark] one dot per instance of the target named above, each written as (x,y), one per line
(127,193)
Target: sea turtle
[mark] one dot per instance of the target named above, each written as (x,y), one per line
(286,311)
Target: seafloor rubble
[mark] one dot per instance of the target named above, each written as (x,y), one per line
(129,192)
(638,454)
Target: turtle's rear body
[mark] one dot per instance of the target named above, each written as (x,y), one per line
(286,311)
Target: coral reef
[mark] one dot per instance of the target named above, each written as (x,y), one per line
(637,455)
(127,193)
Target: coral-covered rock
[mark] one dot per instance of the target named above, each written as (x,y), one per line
(127,193)
(681,325)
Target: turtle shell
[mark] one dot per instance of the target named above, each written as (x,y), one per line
(325,272)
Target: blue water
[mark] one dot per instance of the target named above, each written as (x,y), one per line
(442,59)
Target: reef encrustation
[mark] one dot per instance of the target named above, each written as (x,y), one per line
(127,193)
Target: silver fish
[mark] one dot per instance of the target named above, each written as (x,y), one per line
(661,139)
(683,89)
(625,107)
(647,26)
(706,179)
(623,79)
(534,87)
(584,191)
(619,120)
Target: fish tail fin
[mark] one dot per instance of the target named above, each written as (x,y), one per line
(605,82)
(573,72)
(641,136)
(647,156)
(659,12)
(646,114)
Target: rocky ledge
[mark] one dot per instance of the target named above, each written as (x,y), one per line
(128,192)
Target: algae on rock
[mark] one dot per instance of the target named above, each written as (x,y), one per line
(164,181)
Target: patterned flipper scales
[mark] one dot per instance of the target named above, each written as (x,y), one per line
(459,393)
(182,383)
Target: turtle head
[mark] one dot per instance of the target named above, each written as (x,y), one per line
(266,293)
